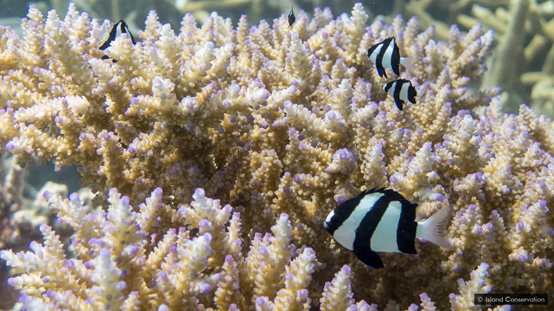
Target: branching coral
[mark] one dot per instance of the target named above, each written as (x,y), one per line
(274,122)
(523,64)
(128,260)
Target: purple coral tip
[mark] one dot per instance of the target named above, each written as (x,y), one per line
(206,288)
(260,301)
(134,250)
(89,264)
(203,223)
(10,146)
(74,197)
(162,274)
(46,194)
(69,264)
(158,192)
(50,294)
(199,192)
(121,285)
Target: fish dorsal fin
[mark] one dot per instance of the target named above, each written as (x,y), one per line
(389,194)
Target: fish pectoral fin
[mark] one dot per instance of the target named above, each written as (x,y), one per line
(370,258)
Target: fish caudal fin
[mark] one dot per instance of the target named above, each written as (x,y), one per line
(408,63)
(434,228)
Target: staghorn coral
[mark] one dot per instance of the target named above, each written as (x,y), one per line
(22,210)
(523,64)
(274,122)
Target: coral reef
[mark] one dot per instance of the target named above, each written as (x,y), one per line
(265,129)
(22,210)
(523,64)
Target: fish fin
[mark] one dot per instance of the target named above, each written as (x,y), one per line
(408,63)
(434,228)
(372,190)
(105,45)
(131,35)
(399,104)
(111,37)
(370,259)
(412,93)
(381,72)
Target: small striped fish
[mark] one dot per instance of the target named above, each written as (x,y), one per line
(117,29)
(291,18)
(382,220)
(387,55)
(401,90)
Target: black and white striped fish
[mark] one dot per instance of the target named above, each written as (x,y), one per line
(387,55)
(117,29)
(401,90)
(382,220)
(291,18)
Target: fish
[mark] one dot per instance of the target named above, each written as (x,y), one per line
(382,220)
(291,18)
(117,29)
(401,90)
(387,55)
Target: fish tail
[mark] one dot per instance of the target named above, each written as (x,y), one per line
(434,228)
(408,63)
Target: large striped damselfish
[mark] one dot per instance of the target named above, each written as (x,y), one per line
(382,220)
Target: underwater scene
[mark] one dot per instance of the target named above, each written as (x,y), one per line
(277,155)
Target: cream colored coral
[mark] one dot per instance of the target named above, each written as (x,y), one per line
(267,120)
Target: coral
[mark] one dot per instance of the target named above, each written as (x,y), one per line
(523,64)
(22,210)
(266,129)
